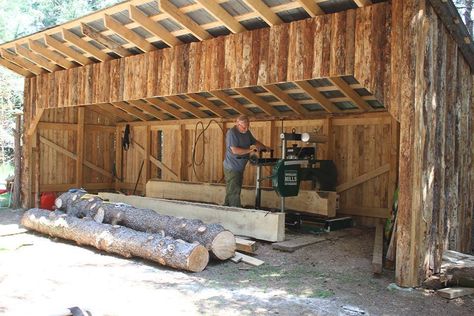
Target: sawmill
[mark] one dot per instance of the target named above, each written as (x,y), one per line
(363,109)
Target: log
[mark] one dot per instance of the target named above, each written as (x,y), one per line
(118,239)
(219,241)
(458,268)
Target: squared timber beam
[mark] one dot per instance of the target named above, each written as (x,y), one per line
(49,54)
(222,15)
(311,7)
(290,102)
(22,62)
(36,58)
(224,97)
(208,104)
(130,110)
(148,108)
(127,34)
(350,93)
(187,106)
(104,40)
(318,96)
(66,50)
(258,101)
(363,3)
(15,68)
(84,45)
(167,108)
(153,27)
(264,11)
(117,112)
(174,12)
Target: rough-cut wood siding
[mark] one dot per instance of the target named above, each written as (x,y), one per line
(346,43)
(435,108)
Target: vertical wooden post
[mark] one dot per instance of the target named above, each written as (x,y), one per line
(80,147)
(37,169)
(183,147)
(146,164)
(392,182)
(17,182)
(118,157)
(329,131)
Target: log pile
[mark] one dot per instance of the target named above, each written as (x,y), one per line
(219,241)
(118,239)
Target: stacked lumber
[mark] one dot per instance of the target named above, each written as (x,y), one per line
(219,241)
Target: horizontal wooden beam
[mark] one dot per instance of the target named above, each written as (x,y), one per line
(22,62)
(36,58)
(73,127)
(149,109)
(290,102)
(85,46)
(208,104)
(53,56)
(127,34)
(130,110)
(187,106)
(66,50)
(318,97)
(15,68)
(222,15)
(115,111)
(264,11)
(224,97)
(351,94)
(104,41)
(167,108)
(311,7)
(258,101)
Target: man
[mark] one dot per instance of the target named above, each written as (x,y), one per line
(239,144)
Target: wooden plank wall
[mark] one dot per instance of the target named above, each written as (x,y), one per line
(436,146)
(345,43)
(359,145)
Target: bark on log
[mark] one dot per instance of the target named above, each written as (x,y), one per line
(219,241)
(118,239)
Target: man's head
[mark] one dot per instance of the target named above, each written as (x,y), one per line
(243,123)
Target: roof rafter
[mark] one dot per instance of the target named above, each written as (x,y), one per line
(222,15)
(224,97)
(103,112)
(127,34)
(351,94)
(149,109)
(258,101)
(187,106)
(49,54)
(264,11)
(24,63)
(363,3)
(167,108)
(130,110)
(290,102)
(117,112)
(208,104)
(183,19)
(66,50)
(84,45)
(318,96)
(104,41)
(311,7)
(36,58)
(153,27)
(15,68)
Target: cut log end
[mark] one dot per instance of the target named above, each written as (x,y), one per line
(58,203)
(223,246)
(198,259)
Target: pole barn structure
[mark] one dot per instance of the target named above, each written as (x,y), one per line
(388,82)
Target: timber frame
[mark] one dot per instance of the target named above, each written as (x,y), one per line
(389,83)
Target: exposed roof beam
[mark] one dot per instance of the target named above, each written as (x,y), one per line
(222,15)
(84,45)
(224,97)
(22,62)
(117,112)
(49,54)
(127,34)
(103,112)
(153,27)
(351,94)
(311,7)
(187,106)
(68,51)
(104,40)
(255,99)
(318,97)
(289,101)
(167,108)
(363,3)
(130,110)
(208,104)
(15,68)
(183,19)
(148,108)
(37,59)
(264,11)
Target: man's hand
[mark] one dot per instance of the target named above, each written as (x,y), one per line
(253,148)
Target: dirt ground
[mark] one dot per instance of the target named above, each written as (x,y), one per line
(44,276)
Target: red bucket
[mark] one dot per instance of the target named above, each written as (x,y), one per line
(47,200)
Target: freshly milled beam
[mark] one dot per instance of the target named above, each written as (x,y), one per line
(148,108)
(68,51)
(187,106)
(318,97)
(119,113)
(15,68)
(85,46)
(53,56)
(153,27)
(351,94)
(264,11)
(290,102)
(221,15)
(224,97)
(255,99)
(20,61)
(127,34)
(167,108)
(311,7)
(208,104)
(130,110)
(104,40)
(183,19)
(20,50)
(103,112)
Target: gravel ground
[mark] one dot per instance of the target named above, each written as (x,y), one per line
(44,276)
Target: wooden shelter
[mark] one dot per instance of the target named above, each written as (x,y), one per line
(389,83)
